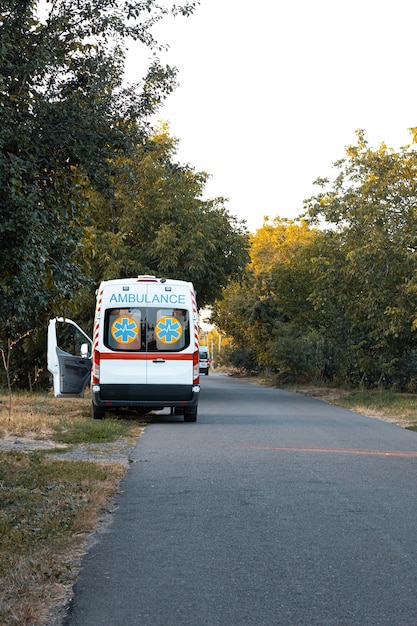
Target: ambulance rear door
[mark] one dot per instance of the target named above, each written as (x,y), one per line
(170,334)
(122,349)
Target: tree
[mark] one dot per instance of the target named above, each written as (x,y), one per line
(256,311)
(158,222)
(338,302)
(65,116)
(371,253)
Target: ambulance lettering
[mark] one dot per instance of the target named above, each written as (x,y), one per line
(144,298)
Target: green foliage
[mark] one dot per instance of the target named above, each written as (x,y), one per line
(64,115)
(243,360)
(85,193)
(159,224)
(301,355)
(341,300)
(372,207)
(255,312)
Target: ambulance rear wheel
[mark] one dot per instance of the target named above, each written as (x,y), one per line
(190,417)
(98,412)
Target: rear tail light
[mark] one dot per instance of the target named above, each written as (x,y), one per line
(95,372)
(196,369)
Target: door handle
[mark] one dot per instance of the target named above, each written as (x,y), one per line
(158,361)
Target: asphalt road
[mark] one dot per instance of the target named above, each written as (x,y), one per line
(273,509)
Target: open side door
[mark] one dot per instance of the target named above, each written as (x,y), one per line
(68,357)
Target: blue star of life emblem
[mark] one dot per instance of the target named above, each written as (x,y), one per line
(124,330)
(168,329)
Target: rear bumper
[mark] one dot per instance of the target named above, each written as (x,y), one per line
(152,396)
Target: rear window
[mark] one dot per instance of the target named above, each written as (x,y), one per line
(147,329)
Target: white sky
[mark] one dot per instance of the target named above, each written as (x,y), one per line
(271,92)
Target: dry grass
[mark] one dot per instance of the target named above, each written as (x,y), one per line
(38,415)
(397,408)
(394,407)
(41,417)
(49,506)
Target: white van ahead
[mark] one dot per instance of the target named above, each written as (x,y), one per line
(204,360)
(144,352)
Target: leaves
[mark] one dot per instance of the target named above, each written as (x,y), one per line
(164,227)
(340,301)
(65,119)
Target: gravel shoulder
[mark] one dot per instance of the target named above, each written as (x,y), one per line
(118,451)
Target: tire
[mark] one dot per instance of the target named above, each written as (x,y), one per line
(98,412)
(143,410)
(190,417)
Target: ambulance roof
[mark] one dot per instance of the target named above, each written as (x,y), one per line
(145,278)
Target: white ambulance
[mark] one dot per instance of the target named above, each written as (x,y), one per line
(144,352)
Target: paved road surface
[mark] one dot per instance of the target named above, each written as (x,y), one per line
(273,509)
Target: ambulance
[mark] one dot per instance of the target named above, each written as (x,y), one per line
(144,354)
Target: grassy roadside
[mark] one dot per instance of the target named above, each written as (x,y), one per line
(50,506)
(398,408)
